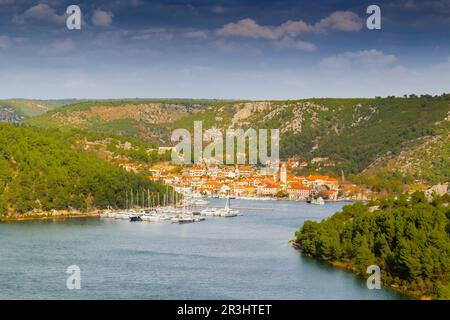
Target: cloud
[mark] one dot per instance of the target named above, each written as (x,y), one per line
(199,34)
(289,43)
(366,58)
(40,13)
(346,21)
(340,20)
(294,28)
(102,18)
(248,28)
(158,34)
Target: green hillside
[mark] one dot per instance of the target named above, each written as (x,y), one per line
(143,119)
(32,107)
(353,133)
(409,239)
(45,169)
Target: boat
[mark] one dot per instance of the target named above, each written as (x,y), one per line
(135,218)
(220,212)
(229,213)
(199,202)
(209,212)
(318,201)
(151,217)
(182,220)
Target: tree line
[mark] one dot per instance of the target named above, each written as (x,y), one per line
(43,169)
(407,237)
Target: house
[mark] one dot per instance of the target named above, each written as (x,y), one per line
(244,171)
(318,180)
(298,192)
(267,189)
(331,195)
(239,191)
(196,171)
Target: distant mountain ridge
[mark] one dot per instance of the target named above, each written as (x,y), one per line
(353,133)
(32,107)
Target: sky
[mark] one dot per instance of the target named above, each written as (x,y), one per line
(231,49)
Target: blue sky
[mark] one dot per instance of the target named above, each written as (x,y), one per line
(223,49)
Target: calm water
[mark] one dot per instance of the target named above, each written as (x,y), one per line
(246,257)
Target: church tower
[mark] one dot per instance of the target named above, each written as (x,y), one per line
(283,174)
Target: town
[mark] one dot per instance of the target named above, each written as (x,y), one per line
(250,181)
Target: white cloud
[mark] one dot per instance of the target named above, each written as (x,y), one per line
(248,28)
(289,43)
(102,18)
(346,21)
(294,28)
(40,13)
(363,58)
(340,20)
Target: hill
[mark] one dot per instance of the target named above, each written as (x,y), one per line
(147,120)
(426,159)
(46,169)
(352,133)
(30,107)
(409,239)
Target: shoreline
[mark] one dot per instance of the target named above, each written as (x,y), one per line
(55,215)
(349,267)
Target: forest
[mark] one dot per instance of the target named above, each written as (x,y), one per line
(43,169)
(407,237)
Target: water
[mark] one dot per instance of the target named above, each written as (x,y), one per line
(246,257)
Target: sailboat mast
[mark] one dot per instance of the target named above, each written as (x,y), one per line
(132,199)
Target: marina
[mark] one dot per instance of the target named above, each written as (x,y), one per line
(185,211)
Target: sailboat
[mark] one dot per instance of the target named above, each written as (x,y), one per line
(218,212)
(227,211)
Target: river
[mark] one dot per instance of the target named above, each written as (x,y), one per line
(245,257)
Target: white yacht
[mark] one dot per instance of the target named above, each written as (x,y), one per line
(199,202)
(225,212)
(318,201)
(209,212)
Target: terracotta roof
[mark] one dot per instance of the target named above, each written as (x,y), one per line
(298,187)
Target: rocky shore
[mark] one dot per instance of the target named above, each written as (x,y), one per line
(46,215)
